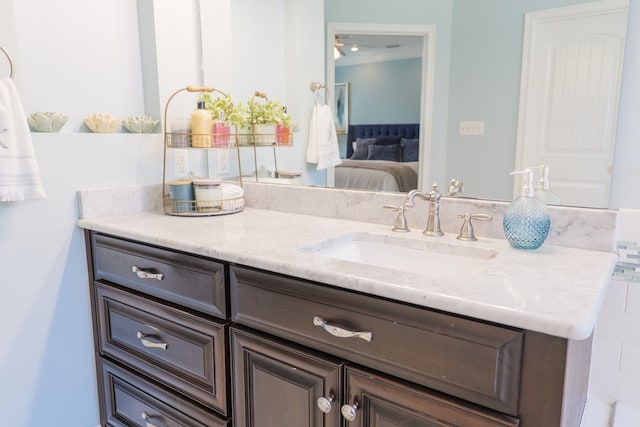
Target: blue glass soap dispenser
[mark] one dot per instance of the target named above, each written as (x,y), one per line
(526,221)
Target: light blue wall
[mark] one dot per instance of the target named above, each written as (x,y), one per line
(383,92)
(68,58)
(46,352)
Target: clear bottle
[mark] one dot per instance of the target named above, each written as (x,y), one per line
(201,122)
(526,221)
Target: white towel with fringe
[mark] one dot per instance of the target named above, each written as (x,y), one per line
(323,146)
(19,173)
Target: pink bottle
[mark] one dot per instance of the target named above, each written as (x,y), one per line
(220,132)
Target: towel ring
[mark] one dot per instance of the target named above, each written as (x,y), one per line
(10,62)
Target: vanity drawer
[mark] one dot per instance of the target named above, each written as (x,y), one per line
(473,360)
(188,280)
(182,351)
(133,401)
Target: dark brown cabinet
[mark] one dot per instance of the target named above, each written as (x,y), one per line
(160,335)
(281,385)
(455,371)
(184,340)
(475,361)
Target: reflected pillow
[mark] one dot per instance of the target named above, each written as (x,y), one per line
(388,140)
(361,148)
(384,152)
(409,150)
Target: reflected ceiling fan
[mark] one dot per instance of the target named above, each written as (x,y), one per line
(344,41)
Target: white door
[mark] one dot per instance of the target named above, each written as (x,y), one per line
(571,73)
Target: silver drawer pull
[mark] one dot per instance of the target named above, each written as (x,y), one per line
(145,274)
(339,332)
(146,417)
(147,343)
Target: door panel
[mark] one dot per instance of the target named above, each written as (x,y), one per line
(571,75)
(279,386)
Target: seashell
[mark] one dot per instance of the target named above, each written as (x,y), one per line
(140,124)
(102,123)
(47,121)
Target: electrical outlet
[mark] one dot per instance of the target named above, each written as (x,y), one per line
(471,128)
(223,160)
(180,162)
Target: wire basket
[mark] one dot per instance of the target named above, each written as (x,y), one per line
(179,195)
(203,207)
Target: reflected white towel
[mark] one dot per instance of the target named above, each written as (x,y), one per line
(323,146)
(19,173)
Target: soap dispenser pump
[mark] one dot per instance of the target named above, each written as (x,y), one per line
(543,191)
(526,221)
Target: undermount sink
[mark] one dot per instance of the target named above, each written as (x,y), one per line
(424,256)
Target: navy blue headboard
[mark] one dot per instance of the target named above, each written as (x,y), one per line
(409,131)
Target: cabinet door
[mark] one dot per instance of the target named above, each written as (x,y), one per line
(376,401)
(276,385)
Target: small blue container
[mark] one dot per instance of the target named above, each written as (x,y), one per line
(181,195)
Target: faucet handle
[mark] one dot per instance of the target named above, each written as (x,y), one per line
(455,186)
(466,231)
(401,220)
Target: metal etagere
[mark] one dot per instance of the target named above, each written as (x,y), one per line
(229,197)
(187,203)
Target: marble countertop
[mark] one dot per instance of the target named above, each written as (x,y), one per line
(554,290)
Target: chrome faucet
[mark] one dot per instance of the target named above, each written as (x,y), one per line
(433,219)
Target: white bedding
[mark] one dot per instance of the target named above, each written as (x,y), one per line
(362,178)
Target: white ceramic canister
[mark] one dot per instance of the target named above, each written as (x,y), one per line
(208,194)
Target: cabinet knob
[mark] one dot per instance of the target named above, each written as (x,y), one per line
(146,418)
(349,412)
(324,404)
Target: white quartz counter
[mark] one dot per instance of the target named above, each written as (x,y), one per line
(554,290)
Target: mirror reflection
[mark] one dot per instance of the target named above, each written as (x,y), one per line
(488,112)
(382,74)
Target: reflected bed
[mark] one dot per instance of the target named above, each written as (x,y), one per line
(380,158)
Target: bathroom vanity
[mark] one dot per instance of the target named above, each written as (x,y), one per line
(237,320)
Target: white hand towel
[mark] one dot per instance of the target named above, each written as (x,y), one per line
(322,145)
(19,173)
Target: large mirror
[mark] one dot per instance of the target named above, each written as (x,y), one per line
(472,114)
(516,85)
